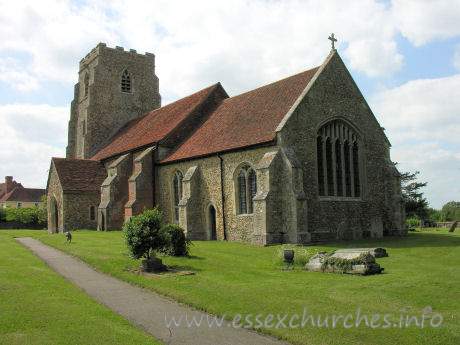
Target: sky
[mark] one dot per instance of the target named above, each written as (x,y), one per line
(404,56)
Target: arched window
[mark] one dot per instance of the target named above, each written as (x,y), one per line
(338,160)
(346,150)
(92,213)
(330,172)
(338,167)
(126,82)
(177,185)
(319,154)
(86,81)
(356,169)
(247,189)
(252,182)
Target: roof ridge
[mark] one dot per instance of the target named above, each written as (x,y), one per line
(273,83)
(203,101)
(160,122)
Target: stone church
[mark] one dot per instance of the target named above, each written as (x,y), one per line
(300,160)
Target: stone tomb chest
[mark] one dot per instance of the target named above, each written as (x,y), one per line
(352,261)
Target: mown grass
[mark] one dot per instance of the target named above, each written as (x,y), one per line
(37,306)
(237,278)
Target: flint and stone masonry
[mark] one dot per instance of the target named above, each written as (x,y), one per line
(300,160)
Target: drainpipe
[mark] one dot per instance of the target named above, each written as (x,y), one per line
(222,194)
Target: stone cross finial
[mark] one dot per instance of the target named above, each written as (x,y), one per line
(333,40)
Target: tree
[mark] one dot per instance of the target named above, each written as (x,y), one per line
(42,213)
(450,211)
(145,235)
(434,215)
(415,204)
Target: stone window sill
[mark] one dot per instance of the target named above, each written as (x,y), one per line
(339,198)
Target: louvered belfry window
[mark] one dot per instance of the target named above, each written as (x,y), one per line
(338,160)
(86,83)
(126,82)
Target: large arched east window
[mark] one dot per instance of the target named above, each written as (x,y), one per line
(178,193)
(338,160)
(126,82)
(246,189)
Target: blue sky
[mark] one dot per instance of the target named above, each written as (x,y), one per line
(404,56)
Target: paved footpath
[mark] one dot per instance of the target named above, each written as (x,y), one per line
(143,308)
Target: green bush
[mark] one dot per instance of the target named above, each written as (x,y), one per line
(412,222)
(179,244)
(42,214)
(25,215)
(145,235)
(2,214)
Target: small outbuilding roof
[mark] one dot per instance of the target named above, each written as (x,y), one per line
(79,174)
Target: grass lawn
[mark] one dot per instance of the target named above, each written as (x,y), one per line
(37,306)
(237,278)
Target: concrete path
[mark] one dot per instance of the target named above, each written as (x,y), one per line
(143,308)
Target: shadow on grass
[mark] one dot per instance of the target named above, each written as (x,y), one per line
(413,240)
(184,268)
(194,257)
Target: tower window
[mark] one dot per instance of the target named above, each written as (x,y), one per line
(86,84)
(126,82)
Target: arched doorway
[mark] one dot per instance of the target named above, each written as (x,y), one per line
(54,216)
(102,228)
(212,223)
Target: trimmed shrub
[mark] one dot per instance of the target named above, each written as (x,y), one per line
(145,235)
(179,245)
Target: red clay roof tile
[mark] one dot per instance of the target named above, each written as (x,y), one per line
(80,174)
(24,195)
(153,126)
(244,120)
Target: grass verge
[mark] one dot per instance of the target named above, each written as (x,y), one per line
(237,278)
(37,306)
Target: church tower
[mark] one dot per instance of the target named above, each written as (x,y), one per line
(114,86)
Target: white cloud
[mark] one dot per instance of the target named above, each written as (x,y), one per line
(12,74)
(421,110)
(422,21)
(199,43)
(56,34)
(422,121)
(30,136)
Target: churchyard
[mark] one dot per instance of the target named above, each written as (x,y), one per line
(40,307)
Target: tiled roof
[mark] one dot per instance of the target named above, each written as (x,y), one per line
(3,188)
(80,174)
(245,120)
(153,126)
(24,195)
